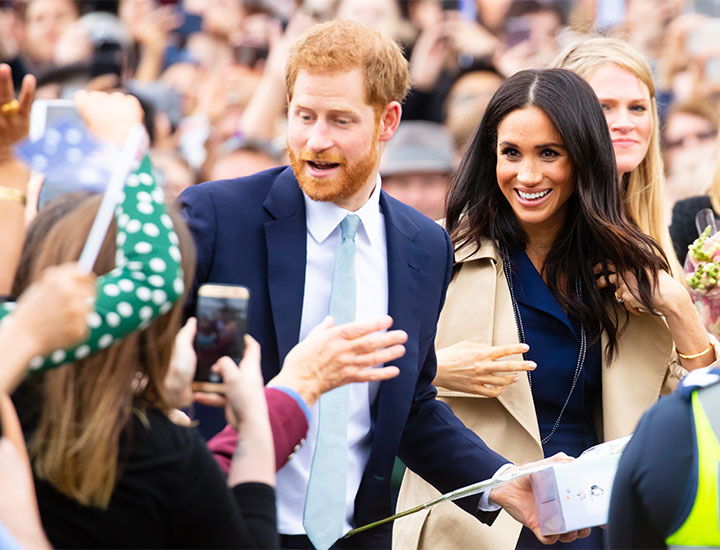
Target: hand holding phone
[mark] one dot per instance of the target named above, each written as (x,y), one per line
(222,312)
(244,387)
(183,363)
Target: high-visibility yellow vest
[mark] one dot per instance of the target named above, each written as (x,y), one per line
(702,526)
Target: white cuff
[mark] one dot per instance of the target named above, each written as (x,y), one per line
(485,504)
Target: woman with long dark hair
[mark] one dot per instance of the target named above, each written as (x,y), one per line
(546,257)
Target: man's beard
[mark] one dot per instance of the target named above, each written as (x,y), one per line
(348,181)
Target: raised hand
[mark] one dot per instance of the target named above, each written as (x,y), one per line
(109,116)
(332,356)
(667,292)
(428,57)
(14,113)
(50,314)
(179,377)
(53,309)
(470,37)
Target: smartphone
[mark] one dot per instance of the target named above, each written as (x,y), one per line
(46,113)
(222,312)
(517,30)
(249,55)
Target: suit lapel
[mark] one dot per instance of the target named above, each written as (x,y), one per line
(286,238)
(404,258)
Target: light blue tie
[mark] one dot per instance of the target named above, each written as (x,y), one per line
(326,494)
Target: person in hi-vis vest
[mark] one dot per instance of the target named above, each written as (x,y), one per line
(665,493)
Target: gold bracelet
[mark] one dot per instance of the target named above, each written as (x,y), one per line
(695,355)
(12,194)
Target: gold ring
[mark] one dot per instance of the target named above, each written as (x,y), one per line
(11,107)
(618,299)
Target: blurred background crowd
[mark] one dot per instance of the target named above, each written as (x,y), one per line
(209,77)
(209,73)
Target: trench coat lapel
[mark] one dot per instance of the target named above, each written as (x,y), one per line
(479,309)
(634,378)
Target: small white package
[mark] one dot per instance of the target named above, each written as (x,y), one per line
(576,495)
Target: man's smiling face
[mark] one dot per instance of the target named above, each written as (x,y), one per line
(333,136)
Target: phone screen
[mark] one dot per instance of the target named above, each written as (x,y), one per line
(249,55)
(222,312)
(49,113)
(517,30)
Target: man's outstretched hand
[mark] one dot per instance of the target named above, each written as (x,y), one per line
(332,356)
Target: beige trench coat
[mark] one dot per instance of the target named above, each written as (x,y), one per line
(478,308)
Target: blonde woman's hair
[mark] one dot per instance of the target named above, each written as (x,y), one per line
(645,185)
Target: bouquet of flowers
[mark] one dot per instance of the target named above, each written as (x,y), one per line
(702,266)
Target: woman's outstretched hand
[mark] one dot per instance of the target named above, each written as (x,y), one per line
(477,368)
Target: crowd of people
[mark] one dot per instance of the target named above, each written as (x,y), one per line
(210,77)
(462,226)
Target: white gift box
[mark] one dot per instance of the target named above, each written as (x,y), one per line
(576,495)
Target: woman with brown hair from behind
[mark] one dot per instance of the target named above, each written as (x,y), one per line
(51,313)
(111,469)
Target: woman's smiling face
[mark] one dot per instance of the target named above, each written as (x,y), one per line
(534,170)
(627,106)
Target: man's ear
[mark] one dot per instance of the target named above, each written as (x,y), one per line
(389,120)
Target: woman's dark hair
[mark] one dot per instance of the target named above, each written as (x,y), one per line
(596,231)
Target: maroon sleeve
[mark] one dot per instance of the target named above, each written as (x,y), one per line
(287,421)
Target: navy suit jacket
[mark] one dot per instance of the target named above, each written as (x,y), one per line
(252,231)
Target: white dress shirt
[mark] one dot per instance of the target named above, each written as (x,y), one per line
(323,237)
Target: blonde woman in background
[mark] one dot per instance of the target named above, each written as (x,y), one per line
(622,80)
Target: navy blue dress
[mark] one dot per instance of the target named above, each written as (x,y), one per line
(554,341)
